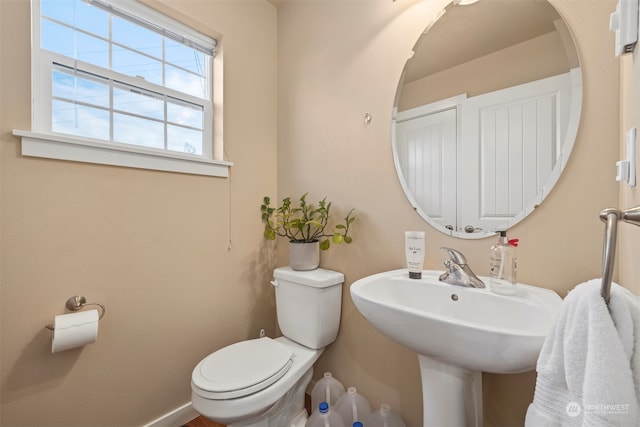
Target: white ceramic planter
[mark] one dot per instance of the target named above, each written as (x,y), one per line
(304,256)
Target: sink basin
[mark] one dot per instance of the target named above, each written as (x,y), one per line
(468,327)
(458,333)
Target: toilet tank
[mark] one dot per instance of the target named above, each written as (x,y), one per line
(308,305)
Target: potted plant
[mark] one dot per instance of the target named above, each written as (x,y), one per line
(304,225)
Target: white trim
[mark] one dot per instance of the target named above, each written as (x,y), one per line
(140,12)
(177,417)
(53,60)
(433,107)
(61,147)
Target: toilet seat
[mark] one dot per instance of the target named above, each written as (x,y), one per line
(242,368)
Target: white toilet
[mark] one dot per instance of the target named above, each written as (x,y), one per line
(262,382)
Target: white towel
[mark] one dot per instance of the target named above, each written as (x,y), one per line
(589,365)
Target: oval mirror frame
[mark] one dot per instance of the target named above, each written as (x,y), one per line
(455,100)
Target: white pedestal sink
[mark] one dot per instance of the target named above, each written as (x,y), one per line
(458,333)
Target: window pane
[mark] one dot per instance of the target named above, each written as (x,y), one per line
(77,13)
(184,140)
(185,114)
(132,64)
(137,102)
(185,57)
(92,50)
(95,102)
(57,38)
(61,10)
(74,44)
(136,37)
(137,131)
(186,82)
(84,90)
(78,120)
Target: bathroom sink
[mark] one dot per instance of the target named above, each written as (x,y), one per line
(471,328)
(458,333)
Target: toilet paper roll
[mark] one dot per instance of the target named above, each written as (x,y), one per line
(74,330)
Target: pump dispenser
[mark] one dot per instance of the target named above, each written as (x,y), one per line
(503,265)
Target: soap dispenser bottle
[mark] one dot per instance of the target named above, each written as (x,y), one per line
(503,265)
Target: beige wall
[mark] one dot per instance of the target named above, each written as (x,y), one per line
(628,235)
(151,246)
(341,59)
(535,59)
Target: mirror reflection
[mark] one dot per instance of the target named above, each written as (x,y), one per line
(486,114)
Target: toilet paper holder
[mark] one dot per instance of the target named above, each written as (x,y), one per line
(78,302)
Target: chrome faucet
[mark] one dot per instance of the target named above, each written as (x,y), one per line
(458,271)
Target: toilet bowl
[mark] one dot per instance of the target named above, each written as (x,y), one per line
(248,395)
(262,382)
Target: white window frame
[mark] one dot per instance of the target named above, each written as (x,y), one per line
(42,142)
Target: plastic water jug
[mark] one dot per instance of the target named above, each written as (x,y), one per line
(328,389)
(324,417)
(353,407)
(384,418)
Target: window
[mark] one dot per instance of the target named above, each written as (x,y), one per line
(115,74)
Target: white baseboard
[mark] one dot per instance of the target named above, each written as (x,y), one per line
(175,418)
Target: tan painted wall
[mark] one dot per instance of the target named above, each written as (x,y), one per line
(341,59)
(535,59)
(628,235)
(151,246)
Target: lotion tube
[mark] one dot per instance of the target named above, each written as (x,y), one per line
(414,251)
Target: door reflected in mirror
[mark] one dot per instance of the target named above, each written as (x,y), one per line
(486,115)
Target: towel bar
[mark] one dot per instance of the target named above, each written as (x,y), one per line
(611,216)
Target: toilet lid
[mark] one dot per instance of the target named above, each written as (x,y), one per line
(242,368)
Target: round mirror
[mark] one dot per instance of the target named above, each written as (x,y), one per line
(486,114)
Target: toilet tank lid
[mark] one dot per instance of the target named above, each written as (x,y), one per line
(318,278)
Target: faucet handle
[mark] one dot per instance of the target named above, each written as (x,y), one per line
(456,256)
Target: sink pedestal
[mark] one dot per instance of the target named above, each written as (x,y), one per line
(451,396)
(465,331)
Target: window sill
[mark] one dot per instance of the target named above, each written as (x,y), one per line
(61,147)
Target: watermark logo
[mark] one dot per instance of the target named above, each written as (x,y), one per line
(573,409)
(607,408)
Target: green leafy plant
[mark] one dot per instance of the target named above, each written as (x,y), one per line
(304,222)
